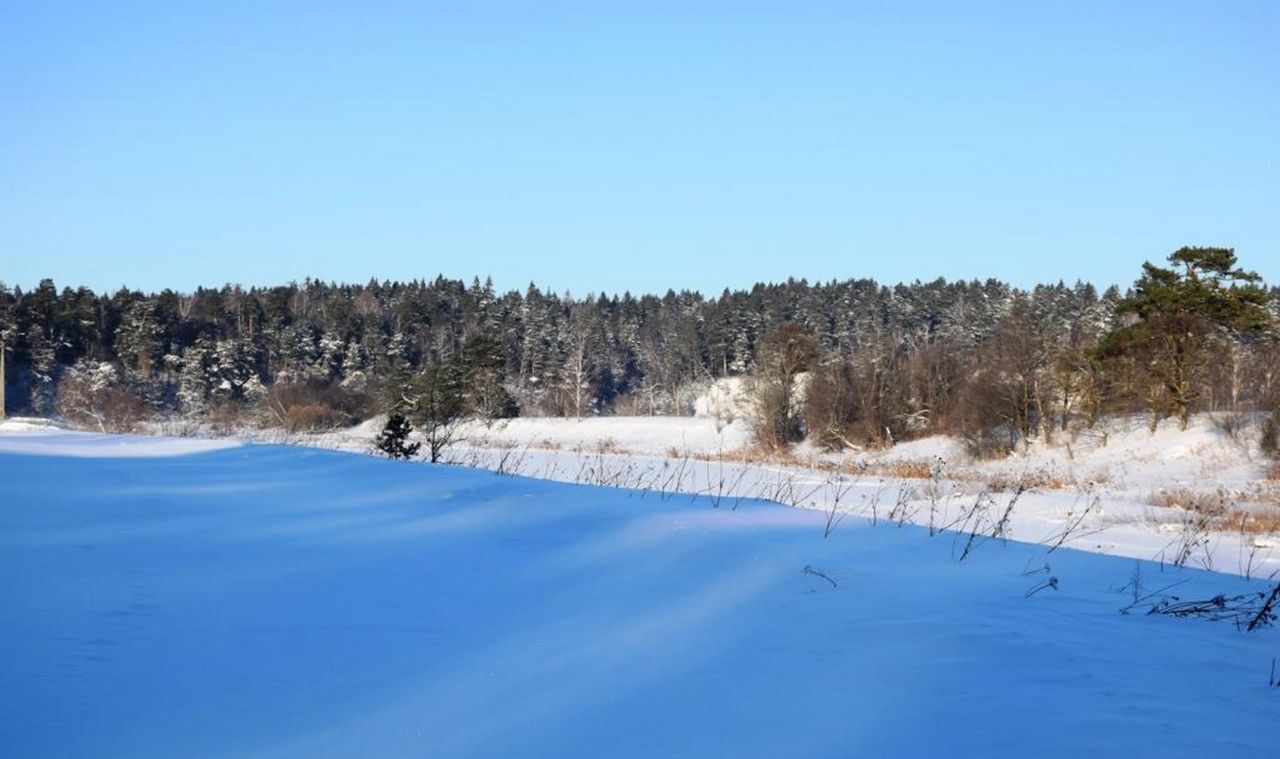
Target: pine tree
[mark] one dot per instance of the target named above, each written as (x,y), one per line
(137,341)
(435,403)
(394,438)
(484,369)
(1180,314)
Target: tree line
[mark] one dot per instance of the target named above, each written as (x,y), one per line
(879,363)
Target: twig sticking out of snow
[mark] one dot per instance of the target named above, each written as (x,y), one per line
(902,511)
(809,570)
(1001,530)
(1267,614)
(1052,582)
(873,502)
(1138,596)
(839,487)
(1074,527)
(1252,548)
(972,521)
(933,490)
(1042,569)
(1193,536)
(1250,611)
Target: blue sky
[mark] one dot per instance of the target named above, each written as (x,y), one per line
(591,147)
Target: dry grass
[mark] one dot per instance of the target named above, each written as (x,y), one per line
(609,445)
(1264,492)
(501,445)
(1222,508)
(1039,479)
(907,469)
(1101,477)
(1214,503)
(751,454)
(1252,522)
(902,469)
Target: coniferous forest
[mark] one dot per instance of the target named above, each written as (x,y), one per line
(994,363)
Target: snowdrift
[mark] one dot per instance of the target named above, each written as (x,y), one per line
(271,601)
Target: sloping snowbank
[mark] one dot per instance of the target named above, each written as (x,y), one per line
(39,437)
(26,424)
(1124,452)
(286,602)
(653,435)
(1101,485)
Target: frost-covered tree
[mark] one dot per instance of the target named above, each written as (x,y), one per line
(484,378)
(138,338)
(91,393)
(914,349)
(195,381)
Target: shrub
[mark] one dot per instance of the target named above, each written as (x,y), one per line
(313,419)
(124,410)
(315,406)
(831,406)
(226,417)
(1270,441)
(92,395)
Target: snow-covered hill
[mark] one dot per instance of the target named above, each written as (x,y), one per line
(269,601)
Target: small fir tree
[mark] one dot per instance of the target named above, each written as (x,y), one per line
(394,438)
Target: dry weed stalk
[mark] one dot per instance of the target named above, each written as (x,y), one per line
(839,488)
(1074,527)
(1193,536)
(809,570)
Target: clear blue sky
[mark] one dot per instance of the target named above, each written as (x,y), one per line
(593,148)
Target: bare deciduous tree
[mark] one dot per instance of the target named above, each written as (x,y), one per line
(780,358)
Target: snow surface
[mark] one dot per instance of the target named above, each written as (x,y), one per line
(40,437)
(725,398)
(653,435)
(1113,472)
(272,601)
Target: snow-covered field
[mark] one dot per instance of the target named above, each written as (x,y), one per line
(275,601)
(1108,490)
(39,437)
